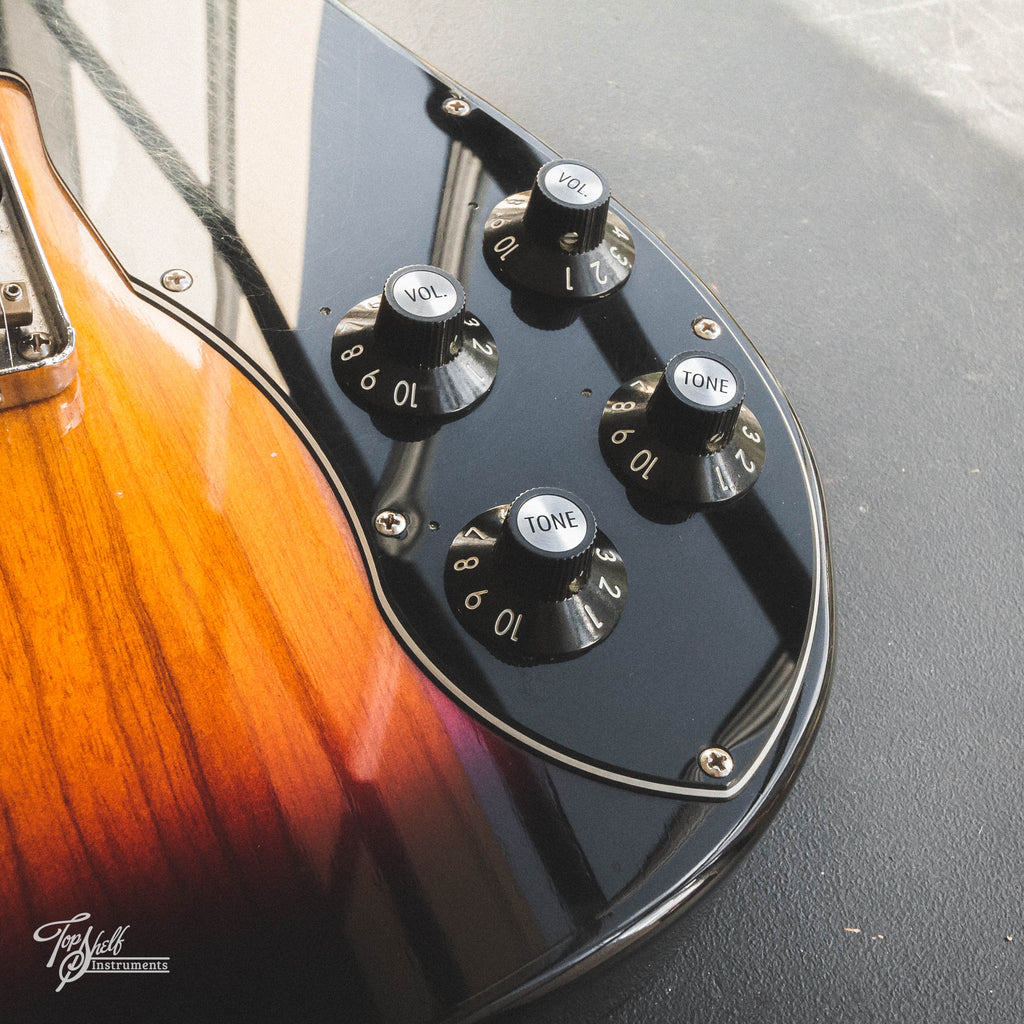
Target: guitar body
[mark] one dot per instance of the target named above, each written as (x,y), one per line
(188,690)
(247,737)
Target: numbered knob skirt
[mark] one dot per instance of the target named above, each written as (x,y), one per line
(684,435)
(536,581)
(414,351)
(560,238)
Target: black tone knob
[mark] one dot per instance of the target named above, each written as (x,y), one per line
(696,403)
(560,238)
(536,581)
(548,543)
(414,351)
(684,435)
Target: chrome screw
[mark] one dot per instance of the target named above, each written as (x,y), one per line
(569,241)
(705,327)
(456,107)
(716,762)
(177,280)
(36,347)
(390,523)
(12,291)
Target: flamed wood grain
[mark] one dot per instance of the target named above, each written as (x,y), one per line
(205,723)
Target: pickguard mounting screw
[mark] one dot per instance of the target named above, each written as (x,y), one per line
(706,328)
(716,762)
(177,280)
(456,106)
(390,523)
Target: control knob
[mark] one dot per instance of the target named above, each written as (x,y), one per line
(414,351)
(536,581)
(560,238)
(684,435)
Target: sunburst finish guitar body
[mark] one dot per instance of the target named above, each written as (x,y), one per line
(304,713)
(200,697)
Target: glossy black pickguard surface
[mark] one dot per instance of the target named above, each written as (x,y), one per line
(709,649)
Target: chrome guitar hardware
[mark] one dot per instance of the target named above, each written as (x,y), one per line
(37,342)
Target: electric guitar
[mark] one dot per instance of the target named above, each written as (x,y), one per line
(397,653)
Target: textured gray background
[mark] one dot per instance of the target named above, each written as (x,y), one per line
(848,178)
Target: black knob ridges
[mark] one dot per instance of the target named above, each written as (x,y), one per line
(567,207)
(696,403)
(420,316)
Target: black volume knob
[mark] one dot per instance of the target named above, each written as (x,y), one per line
(536,581)
(684,435)
(560,238)
(568,206)
(414,350)
(420,316)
